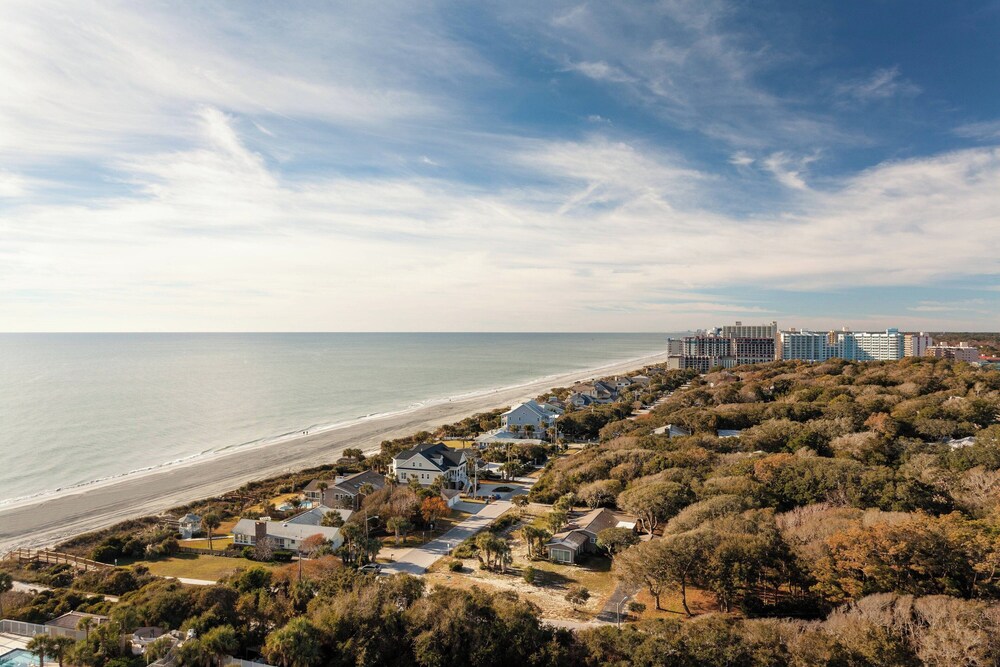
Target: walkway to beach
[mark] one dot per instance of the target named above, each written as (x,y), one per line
(417,560)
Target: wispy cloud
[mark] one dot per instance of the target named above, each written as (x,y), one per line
(882,84)
(986,131)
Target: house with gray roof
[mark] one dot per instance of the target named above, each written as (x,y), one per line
(579,536)
(425,463)
(530,418)
(346,491)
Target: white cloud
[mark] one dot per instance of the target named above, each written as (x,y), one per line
(883,84)
(986,131)
(215,238)
(789,170)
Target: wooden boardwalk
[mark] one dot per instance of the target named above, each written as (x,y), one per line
(55,558)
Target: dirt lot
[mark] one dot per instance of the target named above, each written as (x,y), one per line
(552,580)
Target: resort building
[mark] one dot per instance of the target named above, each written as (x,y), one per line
(960,352)
(915,344)
(732,345)
(850,345)
(427,462)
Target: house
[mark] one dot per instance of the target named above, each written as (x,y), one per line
(427,462)
(143,637)
(313,491)
(346,491)
(622,383)
(729,432)
(71,620)
(580,535)
(641,380)
(451,496)
(503,437)
(530,417)
(289,534)
(580,400)
(188,525)
(673,431)
(599,391)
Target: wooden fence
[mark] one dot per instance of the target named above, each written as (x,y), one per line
(55,558)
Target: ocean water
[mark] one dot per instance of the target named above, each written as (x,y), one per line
(76,408)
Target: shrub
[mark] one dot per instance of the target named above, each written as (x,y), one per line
(455,565)
(282,556)
(529,575)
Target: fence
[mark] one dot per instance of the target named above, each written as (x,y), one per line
(229,662)
(23,629)
(228,553)
(55,558)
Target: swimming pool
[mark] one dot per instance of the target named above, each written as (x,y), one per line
(19,658)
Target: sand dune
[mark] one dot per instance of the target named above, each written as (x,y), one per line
(43,521)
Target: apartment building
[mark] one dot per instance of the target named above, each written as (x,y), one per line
(850,345)
(915,344)
(960,352)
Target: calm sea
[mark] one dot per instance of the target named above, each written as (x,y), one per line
(75,408)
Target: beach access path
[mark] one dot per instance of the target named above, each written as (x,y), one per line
(45,521)
(418,559)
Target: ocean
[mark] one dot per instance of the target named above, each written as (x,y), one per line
(78,408)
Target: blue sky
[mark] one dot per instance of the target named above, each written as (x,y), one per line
(504,166)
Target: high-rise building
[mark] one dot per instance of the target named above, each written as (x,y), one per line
(914,344)
(726,347)
(850,345)
(740,330)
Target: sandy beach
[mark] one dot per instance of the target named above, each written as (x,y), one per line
(44,521)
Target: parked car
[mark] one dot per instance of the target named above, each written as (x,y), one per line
(370,568)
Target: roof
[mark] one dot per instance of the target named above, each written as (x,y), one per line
(353,483)
(315,484)
(441,455)
(71,620)
(573,539)
(189,518)
(541,411)
(315,516)
(595,521)
(286,530)
(448,494)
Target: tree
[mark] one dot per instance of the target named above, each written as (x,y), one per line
(85,624)
(556,520)
(6,585)
(614,540)
(399,524)
(354,453)
(654,502)
(41,645)
(432,509)
(210,521)
(263,550)
(297,644)
(332,520)
(495,550)
(220,641)
(577,595)
(643,565)
(60,646)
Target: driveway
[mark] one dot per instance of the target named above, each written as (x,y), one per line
(416,561)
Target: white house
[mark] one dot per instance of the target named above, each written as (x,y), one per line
(427,462)
(289,534)
(530,417)
(188,525)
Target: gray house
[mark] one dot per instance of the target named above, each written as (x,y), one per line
(579,536)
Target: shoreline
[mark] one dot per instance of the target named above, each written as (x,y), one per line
(41,520)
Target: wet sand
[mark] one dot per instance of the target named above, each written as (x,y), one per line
(44,521)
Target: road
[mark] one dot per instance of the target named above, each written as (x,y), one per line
(417,560)
(28,588)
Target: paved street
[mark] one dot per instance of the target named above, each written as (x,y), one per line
(416,561)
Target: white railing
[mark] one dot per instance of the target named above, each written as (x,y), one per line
(23,629)
(243,663)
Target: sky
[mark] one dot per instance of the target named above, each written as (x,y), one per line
(498,166)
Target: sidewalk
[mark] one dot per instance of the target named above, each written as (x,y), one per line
(417,560)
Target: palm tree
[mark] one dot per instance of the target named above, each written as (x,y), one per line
(85,624)
(211,521)
(295,645)
(220,641)
(41,645)
(6,585)
(59,647)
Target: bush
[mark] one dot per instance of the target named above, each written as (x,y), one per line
(104,553)
(455,565)
(282,556)
(247,552)
(529,575)
(636,607)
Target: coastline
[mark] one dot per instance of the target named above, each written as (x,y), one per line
(46,519)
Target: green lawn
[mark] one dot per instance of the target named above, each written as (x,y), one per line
(218,543)
(193,566)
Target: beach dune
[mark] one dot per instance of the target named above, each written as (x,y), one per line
(47,520)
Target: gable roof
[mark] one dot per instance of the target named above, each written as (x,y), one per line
(595,521)
(286,530)
(353,483)
(545,412)
(314,517)
(439,454)
(314,485)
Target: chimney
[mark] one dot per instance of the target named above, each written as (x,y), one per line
(260,530)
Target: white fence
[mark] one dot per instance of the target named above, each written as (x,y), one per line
(23,629)
(243,663)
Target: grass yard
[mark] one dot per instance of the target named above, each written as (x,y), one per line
(419,538)
(218,542)
(193,566)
